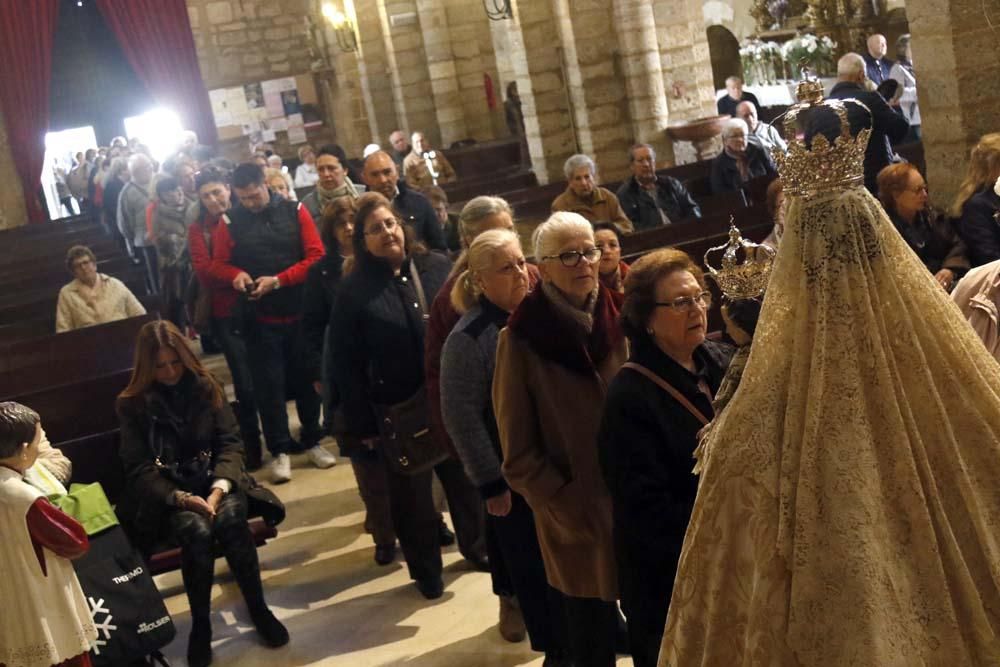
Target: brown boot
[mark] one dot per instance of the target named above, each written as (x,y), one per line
(511,623)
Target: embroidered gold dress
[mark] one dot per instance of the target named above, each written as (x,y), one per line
(849,505)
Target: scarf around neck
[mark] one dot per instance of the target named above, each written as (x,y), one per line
(326,197)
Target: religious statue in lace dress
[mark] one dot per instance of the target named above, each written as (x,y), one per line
(849,502)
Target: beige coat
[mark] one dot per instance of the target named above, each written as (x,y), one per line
(418,176)
(602,206)
(80,306)
(978,296)
(548,417)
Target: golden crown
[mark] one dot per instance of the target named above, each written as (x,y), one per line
(821,167)
(746,279)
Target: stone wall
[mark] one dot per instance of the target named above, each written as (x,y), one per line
(957,59)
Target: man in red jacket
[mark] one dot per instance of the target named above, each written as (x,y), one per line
(264,250)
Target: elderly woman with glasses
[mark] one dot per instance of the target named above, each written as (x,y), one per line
(740,160)
(92,297)
(903,194)
(656,405)
(560,349)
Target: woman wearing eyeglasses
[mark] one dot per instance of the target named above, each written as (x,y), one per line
(903,194)
(656,405)
(561,347)
(376,358)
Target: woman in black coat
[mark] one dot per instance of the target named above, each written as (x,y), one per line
(740,161)
(376,357)
(186,481)
(648,437)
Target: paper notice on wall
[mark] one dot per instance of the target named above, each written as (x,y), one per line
(236,101)
(297,134)
(274,104)
(270,86)
(295,119)
(278,124)
(268,135)
(286,83)
(254,95)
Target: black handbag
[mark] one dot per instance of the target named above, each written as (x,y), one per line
(193,475)
(404,429)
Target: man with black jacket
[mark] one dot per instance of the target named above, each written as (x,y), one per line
(265,249)
(381,175)
(886,125)
(650,200)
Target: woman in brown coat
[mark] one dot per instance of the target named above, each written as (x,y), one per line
(560,349)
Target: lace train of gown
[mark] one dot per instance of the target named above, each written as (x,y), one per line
(849,502)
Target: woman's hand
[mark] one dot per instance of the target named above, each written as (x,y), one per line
(499,505)
(214,498)
(199,505)
(946,278)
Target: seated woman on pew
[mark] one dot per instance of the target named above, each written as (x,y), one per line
(611,270)
(92,298)
(903,194)
(186,481)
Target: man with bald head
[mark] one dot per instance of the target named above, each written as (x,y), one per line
(400,148)
(877,65)
(887,125)
(381,175)
(764,135)
(424,166)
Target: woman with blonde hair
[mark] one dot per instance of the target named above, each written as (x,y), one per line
(560,349)
(977,204)
(186,481)
(486,292)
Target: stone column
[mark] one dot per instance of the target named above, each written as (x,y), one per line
(635,27)
(374,71)
(441,70)
(411,84)
(540,84)
(957,58)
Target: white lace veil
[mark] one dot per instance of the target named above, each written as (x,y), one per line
(849,499)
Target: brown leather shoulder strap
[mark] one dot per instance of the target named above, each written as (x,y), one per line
(667,387)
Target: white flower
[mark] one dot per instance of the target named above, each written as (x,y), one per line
(811,48)
(996,188)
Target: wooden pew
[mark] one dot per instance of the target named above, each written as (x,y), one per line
(77,409)
(43,323)
(483,158)
(56,275)
(31,365)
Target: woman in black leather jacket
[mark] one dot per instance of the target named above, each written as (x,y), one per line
(186,481)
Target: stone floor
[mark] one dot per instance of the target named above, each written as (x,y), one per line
(339,606)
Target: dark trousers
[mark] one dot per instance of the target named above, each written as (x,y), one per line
(276,364)
(373,485)
(646,586)
(517,568)
(235,350)
(415,522)
(147,255)
(467,513)
(593,629)
(197,535)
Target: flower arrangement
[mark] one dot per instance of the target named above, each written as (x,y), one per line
(816,52)
(761,61)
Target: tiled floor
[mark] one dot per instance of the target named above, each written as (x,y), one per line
(339,606)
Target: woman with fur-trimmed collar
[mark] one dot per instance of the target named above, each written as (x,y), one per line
(555,359)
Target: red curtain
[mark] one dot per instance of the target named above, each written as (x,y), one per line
(156,38)
(26,34)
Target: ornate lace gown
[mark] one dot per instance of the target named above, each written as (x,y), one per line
(849,506)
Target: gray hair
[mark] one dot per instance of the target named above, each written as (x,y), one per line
(554,232)
(477,210)
(118,165)
(735,124)
(733,79)
(274,161)
(139,158)
(635,147)
(575,162)
(850,66)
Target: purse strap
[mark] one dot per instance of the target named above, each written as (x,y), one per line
(419,287)
(667,387)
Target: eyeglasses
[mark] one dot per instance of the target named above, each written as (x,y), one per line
(382,227)
(917,191)
(684,304)
(571,258)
